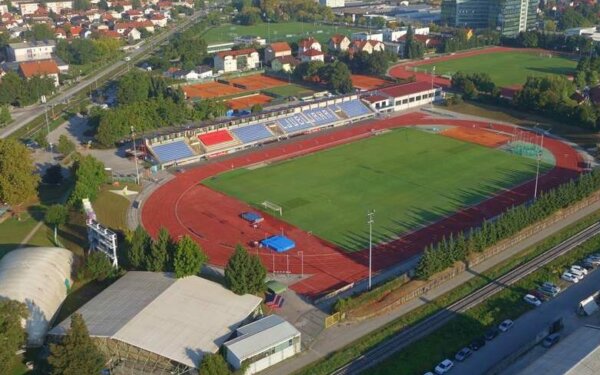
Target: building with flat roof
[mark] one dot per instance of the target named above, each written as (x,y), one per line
(262,344)
(30,51)
(576,354)
(150,322)
(40,277)
(403,96)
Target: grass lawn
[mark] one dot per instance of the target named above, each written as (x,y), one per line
(111,208)
(288,31)
(496,65)
(290,90)
(408,176)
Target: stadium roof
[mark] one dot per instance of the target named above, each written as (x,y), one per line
(261,335)
(38,277)
(180,319)
(406,89)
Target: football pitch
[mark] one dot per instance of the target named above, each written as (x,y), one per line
(409,177)
(505,68)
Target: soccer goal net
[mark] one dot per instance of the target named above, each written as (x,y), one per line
(273,206)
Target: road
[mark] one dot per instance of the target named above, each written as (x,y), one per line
(25,115)
(429,325)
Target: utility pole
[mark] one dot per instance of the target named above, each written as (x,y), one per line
(370,221)
(432,89)
(135,157)
(537,172)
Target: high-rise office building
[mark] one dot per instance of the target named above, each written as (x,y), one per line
(508,16)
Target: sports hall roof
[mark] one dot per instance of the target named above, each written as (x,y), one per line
(406,89)
(38,277)
(180,319)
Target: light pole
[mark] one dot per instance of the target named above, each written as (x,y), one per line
(537,172)
(137,173)
(432,76)
(370,221)
(301,263)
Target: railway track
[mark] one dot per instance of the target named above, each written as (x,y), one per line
(437,320)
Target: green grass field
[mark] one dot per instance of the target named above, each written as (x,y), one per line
(506,68)
(290,90)
(408,176)
(288,31)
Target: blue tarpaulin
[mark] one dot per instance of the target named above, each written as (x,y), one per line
(278,243)
(252,217)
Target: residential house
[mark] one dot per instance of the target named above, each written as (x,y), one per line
(307,44)
(368,46)
(133,15)
(204,71)
(339,43)
(60,33)
(232,61)
(42,68)
(158,20)
(27,8)
(132,34)
(367,36)
(29,51)
(428,41)
(285,64)
(312,55)
(278,49)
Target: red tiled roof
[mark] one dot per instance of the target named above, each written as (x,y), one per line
(307,42)
(235,53)
(109,34)
(375,98)
(337,38)
(312,52)
(406,89)
(280,47)
(38,68)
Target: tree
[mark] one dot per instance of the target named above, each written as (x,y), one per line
(5,116)
(56,215)
(158,260)
(338,77)
(244,273)
(89,176)
(256,108)
(133,87)
(12,333)
(189,258)
(97,267)
(18,180)
(65,145)
(138,247)
(41,31)
(214,364)
(76,354)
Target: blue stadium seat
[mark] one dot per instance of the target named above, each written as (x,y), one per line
(172,151)
(252,133)
(354,108)
(294,123)
(321,116)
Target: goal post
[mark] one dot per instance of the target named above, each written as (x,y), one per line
(273,206)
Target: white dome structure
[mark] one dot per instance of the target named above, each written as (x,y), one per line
(40,278)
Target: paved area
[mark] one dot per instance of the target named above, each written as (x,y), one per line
(531,327)
(339,336)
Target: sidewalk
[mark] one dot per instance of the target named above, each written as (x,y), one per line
(337,337)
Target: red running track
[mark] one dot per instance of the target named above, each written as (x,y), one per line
(212,219)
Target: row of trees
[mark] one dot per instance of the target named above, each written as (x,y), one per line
(550,41)
(20,92)
(375,63)
(336,75)
(473,84)
(251,12)
(443,254)
(85,51)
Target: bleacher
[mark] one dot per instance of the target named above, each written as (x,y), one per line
(354,108)
(171,151)
(252,133)
(294,123)
(321,116)
(217,140)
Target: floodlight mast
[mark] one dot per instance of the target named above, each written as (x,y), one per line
(370,221)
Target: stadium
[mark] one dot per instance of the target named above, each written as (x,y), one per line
(425,175)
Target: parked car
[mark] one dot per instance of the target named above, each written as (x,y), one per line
(532,300)
(550,340)
(444,366)
(429,373)
(491,333)
(506,325)
(549,288)
(577,273)
(593,261)
(578,268)
(477,344)
(567,276)
(463,354)
(588,265)
(539,295)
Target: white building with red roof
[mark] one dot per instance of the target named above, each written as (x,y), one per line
(279,49)
(368,46)
(339,43)
(232,61)
(41,68)
(404,96)
(312,55)
(307,44)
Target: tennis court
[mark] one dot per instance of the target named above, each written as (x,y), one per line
(256,82)
(484,138)
(246,102)
(209,90)
(366,83)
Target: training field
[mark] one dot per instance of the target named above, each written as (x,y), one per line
(505,68)
(281,31)
(410,177)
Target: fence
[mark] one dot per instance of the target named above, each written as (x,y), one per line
(333,319)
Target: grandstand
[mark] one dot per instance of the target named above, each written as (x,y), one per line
(234,134)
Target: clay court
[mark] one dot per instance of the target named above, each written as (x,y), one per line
(186,207)
(247,102)
(210,90)
(367,83)
(257,82)
(478,136)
